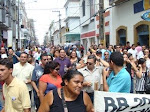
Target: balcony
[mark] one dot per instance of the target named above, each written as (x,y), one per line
(115,1)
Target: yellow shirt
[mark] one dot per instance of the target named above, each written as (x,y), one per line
(23,73)
(16,96)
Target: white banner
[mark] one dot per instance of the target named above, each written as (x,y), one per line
(121,102)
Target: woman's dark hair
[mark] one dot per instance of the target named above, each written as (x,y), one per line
(129,55)
(30,55)
(69,75)
(141,61)
(56,51)
(50,66)
(51,57)
(71,53)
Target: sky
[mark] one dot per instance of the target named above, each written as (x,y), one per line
(41,12)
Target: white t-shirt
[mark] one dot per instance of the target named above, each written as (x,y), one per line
(37,56)
(148,63)
(133,52)
(140,55)
(3,55)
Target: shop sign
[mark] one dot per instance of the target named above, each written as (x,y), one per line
(146,16)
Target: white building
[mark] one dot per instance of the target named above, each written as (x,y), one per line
(127,24)
(90,28)
(72,20)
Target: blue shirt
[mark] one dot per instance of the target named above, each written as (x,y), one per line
(121,82)
(15,60)
(103,51)
(1,107)
(37,73)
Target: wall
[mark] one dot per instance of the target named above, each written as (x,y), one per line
(72,23)
(123,15)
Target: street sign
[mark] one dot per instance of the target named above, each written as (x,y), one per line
(146,16)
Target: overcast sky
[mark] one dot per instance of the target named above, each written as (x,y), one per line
(41,12)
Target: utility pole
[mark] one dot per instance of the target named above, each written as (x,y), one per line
(59,26)
(101,22)
(18,41)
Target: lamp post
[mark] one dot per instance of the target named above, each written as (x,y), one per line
(59,26)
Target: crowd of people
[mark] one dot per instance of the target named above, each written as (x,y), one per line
(63,78)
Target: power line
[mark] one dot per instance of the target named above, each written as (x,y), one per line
(100,11)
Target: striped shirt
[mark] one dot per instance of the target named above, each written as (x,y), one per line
(140,82)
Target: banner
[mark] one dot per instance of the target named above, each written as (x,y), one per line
(121,102)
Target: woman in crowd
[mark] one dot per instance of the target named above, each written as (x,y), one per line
(31,59)
(50,80)
(76,63)
(52,51)
(125,51)
(50,58)
(74,100)
(106,56)
(56,54)
(130,66)
(140,78)
(147,57)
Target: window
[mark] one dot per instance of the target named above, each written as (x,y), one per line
(83,7)
(92,7)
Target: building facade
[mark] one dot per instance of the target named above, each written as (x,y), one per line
(128,24)
(8,22)
(90,19)
(14,25)
(72,21)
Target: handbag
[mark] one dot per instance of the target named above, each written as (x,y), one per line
(63,101)
(147,84)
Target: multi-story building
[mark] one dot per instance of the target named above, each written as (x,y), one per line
(31,28)
(13,12)
(7,22)
(90,22)
(127,24)
(72,20)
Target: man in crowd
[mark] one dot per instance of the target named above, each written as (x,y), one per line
(3,53)
(23,71)
(119,79)
(133,51)
(102,48)
(92,74)
(118,48)
(64,62)
(37,55)
(37,73)
(127,47)
(15,91)
(12,56)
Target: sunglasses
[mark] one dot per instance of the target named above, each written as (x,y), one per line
(57,69)
(106,54)
(88,63)
(45,59)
